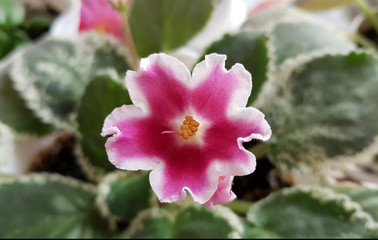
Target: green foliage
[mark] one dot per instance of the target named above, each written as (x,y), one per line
(248,48)
(126,194)
(293,39)
(324,108)
(101,96)
(365,196)
(310,211)
(13,110)
(198,222)
(12,13)
(52,74)
(164,25)
(151,223)
(49,206)
(188,222)
(12,16)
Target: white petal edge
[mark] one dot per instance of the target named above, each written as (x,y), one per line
(117,115)
(254,115)
(241,94)
(156,181)
(229,168)
(171,64)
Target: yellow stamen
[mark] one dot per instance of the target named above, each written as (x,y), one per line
(185,135)
(188,128)
(184,127)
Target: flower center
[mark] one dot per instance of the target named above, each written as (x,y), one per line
(101,28)
(188,128)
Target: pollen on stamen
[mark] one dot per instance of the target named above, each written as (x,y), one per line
(188,128)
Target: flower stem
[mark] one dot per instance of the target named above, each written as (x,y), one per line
(364,42)
(129,42)
(369,14)
(239,206)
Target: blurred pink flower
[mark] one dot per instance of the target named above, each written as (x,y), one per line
(99,15)
(188,129)
(88,15)
(263,5)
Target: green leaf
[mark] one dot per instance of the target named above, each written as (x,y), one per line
(365,196)
(52,74)
(248,48)
(125,194)
(160,26)
(12,13)
(291,40)
(193,221)
(18,37)
(198,222)
(151,223)
(311,211)
(5,43)
(251,231)
(325,108)
(49,206)
(13,110)
(100,98)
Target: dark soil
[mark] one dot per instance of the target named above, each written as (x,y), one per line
(59,158)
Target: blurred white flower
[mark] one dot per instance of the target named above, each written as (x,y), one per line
(228,16)
(67,24)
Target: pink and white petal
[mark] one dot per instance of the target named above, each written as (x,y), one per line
(203,70)
(242,163)
(218,91)
(160,85)
(223,194)
(172,186)
(252,125)
(125,146)
(243,89)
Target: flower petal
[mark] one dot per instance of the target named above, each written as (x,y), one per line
(100,15)
(124,148)
(218,91)
(171,185)
(225,141)
(252,124)
(160,85)
(223,194)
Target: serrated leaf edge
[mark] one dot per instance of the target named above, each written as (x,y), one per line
(7,147)
(232,219)
(31,95)
(104,190)
(137,223)
(93,172)
(44,178)
(324,195)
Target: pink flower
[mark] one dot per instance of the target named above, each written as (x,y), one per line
(188,129)
(261,6)
(99,15)
(223,194)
